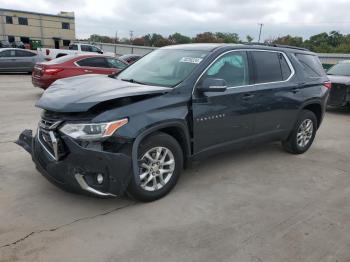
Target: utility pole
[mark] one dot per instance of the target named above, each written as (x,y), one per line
(261,26)
(116,37)
(131,36)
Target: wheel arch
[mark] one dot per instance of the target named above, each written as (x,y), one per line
(177,129)
(316,108)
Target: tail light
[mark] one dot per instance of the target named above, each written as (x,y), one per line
(327,85)
(47,51)
(52,71)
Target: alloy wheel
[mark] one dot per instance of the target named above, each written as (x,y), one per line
(156,168)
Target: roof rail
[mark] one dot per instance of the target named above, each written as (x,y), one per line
(277,45)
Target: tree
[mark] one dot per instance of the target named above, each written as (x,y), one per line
(289,40)
(178,38)
(139,41)
(206,37)
(249,39)
(227,37)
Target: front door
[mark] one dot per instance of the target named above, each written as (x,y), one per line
(224,118)
(7,60)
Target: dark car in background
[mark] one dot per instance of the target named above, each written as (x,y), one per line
(130,58)
(339,75)
(135,131)
(18,60)
(45,73)
(4,44)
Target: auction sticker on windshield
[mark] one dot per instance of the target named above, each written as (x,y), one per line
(192,60)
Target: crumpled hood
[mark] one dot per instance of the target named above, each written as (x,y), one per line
(339,79)
(80,93)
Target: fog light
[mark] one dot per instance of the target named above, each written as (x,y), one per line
(99,178)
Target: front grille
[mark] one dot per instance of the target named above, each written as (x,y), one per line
(48,132)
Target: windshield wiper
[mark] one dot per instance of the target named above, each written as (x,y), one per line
(131,80)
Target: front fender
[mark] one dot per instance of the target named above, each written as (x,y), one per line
(155,127)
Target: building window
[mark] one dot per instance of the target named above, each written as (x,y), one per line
(11,38)
(22,21)
(65,26)
(66,42)
(9,20)
(25,40)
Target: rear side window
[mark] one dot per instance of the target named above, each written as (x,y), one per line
(94,62)
(20,53)
(311,65)
(86,48)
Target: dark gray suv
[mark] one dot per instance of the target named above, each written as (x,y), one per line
(135,131)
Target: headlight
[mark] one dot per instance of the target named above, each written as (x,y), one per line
(93,131)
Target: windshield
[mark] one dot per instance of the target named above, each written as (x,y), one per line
(342,69)
(163,67)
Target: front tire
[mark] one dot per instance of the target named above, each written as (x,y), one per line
(303,134)
(160,164)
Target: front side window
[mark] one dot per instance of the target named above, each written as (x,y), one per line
(9,20)
(270,67)
(94,62)
(164,67)
(95,49)
(73,47)
(231,67)
(115,63)
(22,20)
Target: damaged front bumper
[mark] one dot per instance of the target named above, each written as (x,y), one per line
(81,170)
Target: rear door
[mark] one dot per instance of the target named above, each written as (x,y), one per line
(25,60)
(276,94)
(7,60)
(224,118)
(94,65)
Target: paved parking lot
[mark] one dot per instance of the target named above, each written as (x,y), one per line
(257,205)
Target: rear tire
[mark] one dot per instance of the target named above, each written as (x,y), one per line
(161,162)
(303,134)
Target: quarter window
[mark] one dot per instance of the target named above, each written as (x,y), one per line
(311,64)
(9,20)
(94,62)
(22,20)
(231,67)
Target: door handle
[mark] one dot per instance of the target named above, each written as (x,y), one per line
(88,71)
(247,96)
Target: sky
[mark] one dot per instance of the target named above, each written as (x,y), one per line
(280,17)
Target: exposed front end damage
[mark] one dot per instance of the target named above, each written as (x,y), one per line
(77,167)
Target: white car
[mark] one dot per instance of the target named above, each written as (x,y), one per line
(76,48)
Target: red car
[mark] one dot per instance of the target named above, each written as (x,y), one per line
(45,73)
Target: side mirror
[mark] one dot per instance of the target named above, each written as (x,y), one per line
(213,85)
